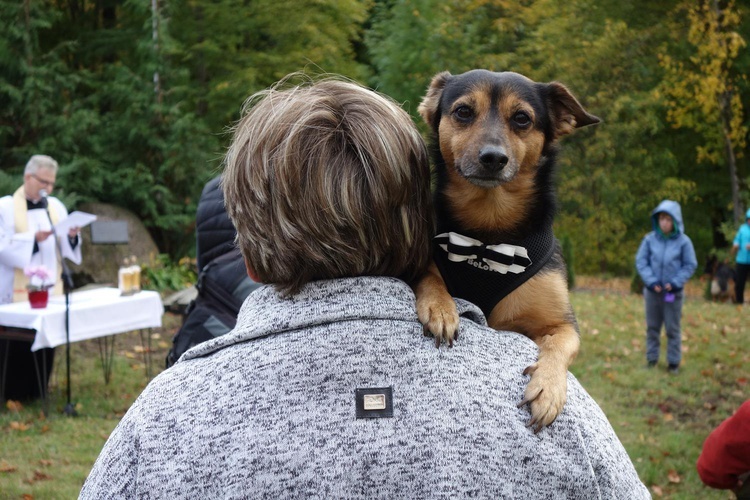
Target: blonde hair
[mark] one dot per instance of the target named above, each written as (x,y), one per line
(326,180)
(37,162)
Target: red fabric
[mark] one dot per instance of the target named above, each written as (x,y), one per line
(726,451)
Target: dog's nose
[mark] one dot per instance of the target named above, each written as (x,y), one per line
(493,157)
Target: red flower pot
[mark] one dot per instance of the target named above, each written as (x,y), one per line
(38,299)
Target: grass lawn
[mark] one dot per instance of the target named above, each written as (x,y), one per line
(662,419)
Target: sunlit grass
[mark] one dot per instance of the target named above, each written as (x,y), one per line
(663,419)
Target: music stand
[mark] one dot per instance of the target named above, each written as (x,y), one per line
(108,232)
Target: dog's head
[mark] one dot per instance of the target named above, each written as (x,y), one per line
(491,126)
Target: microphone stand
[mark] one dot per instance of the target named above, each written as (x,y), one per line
(67,280)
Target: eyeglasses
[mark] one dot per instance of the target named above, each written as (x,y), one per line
(44,183)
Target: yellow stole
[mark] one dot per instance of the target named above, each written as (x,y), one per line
(21,221)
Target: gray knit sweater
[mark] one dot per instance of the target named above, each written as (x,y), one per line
(268,411)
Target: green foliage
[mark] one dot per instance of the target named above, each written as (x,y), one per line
(165,275)
(139,117)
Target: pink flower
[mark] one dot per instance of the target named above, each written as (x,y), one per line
(40,272)
(38,278)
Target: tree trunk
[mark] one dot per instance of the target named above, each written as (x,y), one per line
(726,117)
(157,52)
(725,105)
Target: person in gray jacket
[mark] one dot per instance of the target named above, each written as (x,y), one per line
(327,387)
(665,261)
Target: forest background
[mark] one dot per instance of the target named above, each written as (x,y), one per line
(135,98)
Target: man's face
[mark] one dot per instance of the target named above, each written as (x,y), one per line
(43,178)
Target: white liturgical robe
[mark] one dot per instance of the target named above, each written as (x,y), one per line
(17,245)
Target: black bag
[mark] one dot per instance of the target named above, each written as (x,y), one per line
(222,287)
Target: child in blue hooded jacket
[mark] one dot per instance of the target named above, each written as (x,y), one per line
(665,261)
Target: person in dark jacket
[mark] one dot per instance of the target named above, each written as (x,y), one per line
(214,231)
(222,284)
(665,261)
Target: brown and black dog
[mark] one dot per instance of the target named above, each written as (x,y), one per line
(494,148)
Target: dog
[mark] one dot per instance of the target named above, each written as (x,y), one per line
(494,144)
(723,277)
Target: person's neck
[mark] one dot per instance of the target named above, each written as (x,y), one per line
(31,197)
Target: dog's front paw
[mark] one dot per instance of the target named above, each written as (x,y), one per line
(546,394)
(440,318)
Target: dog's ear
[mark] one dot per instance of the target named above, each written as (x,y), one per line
(430,104)
(567,114)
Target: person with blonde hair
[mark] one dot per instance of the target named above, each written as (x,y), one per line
(327,387)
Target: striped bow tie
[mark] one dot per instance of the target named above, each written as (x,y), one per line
(500,258)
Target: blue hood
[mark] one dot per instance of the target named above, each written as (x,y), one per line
(674,210)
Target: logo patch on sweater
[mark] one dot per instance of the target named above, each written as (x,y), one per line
(374,402)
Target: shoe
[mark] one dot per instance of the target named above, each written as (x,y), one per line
(651,364)
(674,369)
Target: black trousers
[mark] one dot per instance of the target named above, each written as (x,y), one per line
(739,285)
(21,381)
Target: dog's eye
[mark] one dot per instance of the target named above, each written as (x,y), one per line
(522,119)
(464,113)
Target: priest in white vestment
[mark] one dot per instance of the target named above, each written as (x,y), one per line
(26,238)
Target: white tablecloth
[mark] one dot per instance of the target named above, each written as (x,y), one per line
(93,313)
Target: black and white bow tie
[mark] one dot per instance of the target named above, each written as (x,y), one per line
(501,258)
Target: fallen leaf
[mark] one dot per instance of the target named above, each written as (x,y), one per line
(12,405)
(668,417)
(657,490)
(594,332)
(673,476)
(44,428)
(6,467)
(41,476)
(742,380)
(19,426)
(707,373)
(46,463)
(26,496)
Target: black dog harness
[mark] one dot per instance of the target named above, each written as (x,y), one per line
(485,273)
